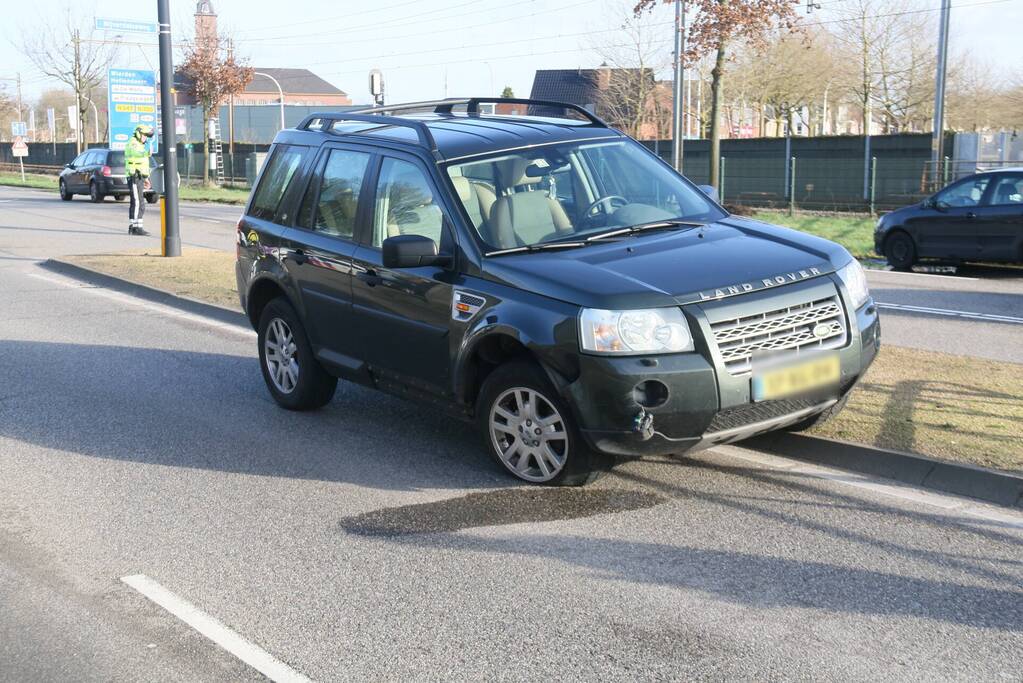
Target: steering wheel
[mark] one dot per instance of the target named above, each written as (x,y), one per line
(607,202)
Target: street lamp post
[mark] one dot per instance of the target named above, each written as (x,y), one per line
(679,103)
(279,90)
(171,234)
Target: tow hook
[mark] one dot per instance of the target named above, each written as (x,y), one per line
(643,424)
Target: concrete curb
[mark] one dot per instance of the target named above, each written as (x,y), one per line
(147,293)
(959,479)
(970,481)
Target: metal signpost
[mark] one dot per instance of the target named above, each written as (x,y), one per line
(131,100)
(169,203)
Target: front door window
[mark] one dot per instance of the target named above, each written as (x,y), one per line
(405,204)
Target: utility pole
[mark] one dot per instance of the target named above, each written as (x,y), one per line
(76,40)
(171,235)
(19,96)
(677,99)
(938,138)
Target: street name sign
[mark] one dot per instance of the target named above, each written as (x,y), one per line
(126,26)
(131,100)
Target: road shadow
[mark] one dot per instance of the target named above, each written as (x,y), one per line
(753,580)
(212,411)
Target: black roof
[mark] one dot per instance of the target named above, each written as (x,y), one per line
(578,86)
(450,134)
(293,81)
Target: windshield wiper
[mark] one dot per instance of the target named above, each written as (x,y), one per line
(543,246)
(642,227)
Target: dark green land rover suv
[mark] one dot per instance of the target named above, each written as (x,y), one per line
(544,275)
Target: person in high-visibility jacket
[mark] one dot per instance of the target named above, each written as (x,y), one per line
(136,167)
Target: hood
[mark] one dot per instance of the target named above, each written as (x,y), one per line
(732,256)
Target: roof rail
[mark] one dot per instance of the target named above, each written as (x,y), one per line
(472,106)
(328,119)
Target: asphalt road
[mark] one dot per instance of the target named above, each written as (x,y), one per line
(374,540)
(978,312)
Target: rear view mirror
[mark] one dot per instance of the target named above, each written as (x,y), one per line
(710,191)
(412,251)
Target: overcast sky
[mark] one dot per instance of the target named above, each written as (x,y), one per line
(429,48)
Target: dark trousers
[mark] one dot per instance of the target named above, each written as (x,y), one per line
(137,200)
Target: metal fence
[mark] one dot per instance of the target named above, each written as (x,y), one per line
(841,173)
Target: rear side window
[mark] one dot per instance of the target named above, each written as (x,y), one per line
(280,169)
(116,160)
(333,210)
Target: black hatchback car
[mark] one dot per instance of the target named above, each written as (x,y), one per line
(98,173)
(546,276)
(978,218)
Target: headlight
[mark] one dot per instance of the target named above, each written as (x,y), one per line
(856,282)
(649,330)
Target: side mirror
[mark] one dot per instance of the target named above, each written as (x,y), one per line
(940,205)
(69,165)
(710,191)
(412,251)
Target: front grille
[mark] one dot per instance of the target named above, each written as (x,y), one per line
(751,413)
(784,331)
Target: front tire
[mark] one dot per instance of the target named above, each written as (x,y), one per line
(530,431)
(900,251)
(295,378)
(64,194)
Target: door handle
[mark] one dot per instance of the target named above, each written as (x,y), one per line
(971,215)
(370,277)
(298,256)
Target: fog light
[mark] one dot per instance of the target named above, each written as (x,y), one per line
(650,394)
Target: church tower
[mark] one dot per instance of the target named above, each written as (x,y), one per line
(205,25)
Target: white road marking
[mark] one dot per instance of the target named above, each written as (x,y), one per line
(928,275)
(248,652)
(140,303)
(990,317)
(211,220)
(965,508)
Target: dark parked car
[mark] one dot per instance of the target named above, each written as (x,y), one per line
(98,173)
(979,218)
(547,277)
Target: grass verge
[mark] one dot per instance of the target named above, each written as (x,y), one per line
(950,407)
(46,182)
(202,274)
(855,232)
(188,193)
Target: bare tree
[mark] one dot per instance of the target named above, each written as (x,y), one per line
(210,77)
(627,90)
(717,26)
(67,52)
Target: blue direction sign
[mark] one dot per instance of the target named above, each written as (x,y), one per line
(126,26)
(131,101)
(19,129)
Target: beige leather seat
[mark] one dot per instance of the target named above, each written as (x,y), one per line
(524,217)
(477,198)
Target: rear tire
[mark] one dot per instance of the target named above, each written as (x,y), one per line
(94,193)
(531,433)
(120,197)
(900,251)
(64,194)
(295,378)
(152,198)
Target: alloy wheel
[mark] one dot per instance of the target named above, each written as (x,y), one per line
(281,353)
(529,433)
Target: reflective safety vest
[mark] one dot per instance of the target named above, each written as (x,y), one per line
(136,158)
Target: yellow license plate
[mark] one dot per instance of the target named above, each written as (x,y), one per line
(796,379)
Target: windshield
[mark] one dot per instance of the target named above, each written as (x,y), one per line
(571,191)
